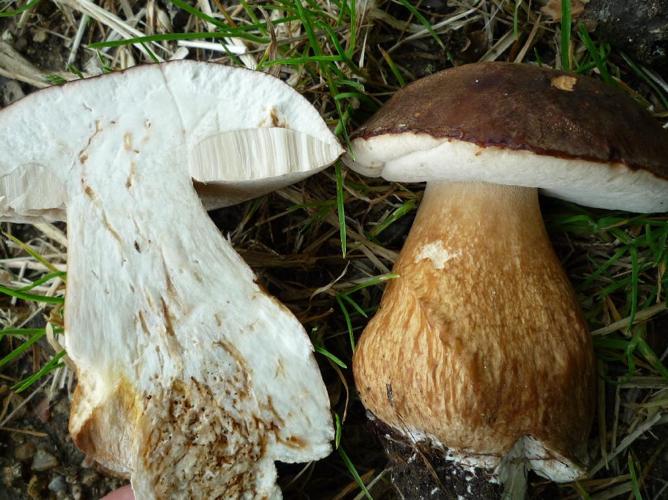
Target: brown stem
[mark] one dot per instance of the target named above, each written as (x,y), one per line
(480,341)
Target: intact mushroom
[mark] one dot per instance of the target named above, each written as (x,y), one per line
(479,348)
(191,380)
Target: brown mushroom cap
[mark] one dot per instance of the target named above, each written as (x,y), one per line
(552,129)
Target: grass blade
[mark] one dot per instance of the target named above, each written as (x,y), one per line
(297,61)
(397,214)
(44,279)
(339,430)
(175,37)
(595,54)
(423,21)
(53,363)
(375,280)
(353,472)
(355,305)
(25,332)
(566,26)
(31,297)
(26,248)
(20,10)
(340,208)
(516,19)
(349,324)
(393,67)
(635,486)
(198,13)
(638,70)
(352,41)
(635,271)
(334,359)
(16,353)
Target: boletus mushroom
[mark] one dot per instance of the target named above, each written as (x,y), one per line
(479,349)
(192,381)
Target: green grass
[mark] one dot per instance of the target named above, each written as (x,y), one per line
(635,250)
(343,298)
(392,217)
(20,10)
(353,472)
(566,26)
(340,209)
(423,20)
(31,336)
(598,55)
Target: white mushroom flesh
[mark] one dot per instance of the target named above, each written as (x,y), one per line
(192,380)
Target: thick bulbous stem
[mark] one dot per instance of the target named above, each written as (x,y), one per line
(480,343)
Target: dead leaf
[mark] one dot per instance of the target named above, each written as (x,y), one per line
(553,9)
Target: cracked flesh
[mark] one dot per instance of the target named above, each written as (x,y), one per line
(481,344)
(192,380)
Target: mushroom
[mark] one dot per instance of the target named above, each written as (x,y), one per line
(192,381)
(479,347)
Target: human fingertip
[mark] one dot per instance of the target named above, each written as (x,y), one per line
(124,493)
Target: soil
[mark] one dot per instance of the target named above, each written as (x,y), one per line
(638,28)
(47,465)
(420,472)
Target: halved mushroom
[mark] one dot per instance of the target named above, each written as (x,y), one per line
(191,380)
(479,346)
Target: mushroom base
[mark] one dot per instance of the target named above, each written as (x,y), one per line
(422,470)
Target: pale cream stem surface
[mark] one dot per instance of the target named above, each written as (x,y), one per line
(480,341)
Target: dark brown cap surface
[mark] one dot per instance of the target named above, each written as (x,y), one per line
(524,107)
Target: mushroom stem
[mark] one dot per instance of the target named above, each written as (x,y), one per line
(480,342)
(190,376)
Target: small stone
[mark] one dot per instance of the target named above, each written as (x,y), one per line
(88,477)
(42,410)
(39,36)
(61,408)
(77,493)
(24,452)
(57,484)
(10,474)
(34,488)
(20,43)
(43,460)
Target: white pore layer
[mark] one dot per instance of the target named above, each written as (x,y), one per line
(412,157)
(244,129)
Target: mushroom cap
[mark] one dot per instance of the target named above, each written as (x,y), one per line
(516,124)
(245,133)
